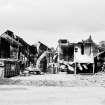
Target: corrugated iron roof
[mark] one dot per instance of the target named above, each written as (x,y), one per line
(10,39)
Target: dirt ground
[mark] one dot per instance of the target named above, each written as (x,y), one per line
(30,95)
(60,79)
(53,89)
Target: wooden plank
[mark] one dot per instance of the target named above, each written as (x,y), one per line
(93,68)
(75,72)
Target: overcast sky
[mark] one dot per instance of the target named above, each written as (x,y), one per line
(49,20)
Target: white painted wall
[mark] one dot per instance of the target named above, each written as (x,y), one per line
(86,58)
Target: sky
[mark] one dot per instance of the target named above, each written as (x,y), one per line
(50,20)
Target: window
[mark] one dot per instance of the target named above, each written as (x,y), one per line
(82,49)
(76,49)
